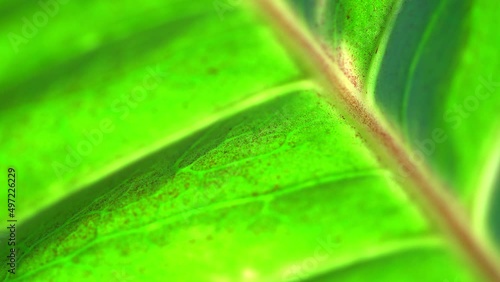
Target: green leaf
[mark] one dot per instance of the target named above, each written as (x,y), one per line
(434,76)
(448,104)
(255,195)
(184,140)
(354,31)
(121,82)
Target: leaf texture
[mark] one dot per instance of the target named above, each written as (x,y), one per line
(184,140)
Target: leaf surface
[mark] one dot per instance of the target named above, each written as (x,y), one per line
(234,164)
(434,75)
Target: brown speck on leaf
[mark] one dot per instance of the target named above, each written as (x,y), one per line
(213,71)
(175,194)
(125,252)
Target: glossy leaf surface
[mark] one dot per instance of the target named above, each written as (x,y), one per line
(172,137)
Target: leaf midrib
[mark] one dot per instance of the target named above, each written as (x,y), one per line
(434,199)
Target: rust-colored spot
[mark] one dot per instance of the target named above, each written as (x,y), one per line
(213,71)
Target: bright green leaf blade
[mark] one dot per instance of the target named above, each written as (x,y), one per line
(439,266)
(434,76)
(254,197)
(248,196)
(443,89)
(129,95)
(353,29)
